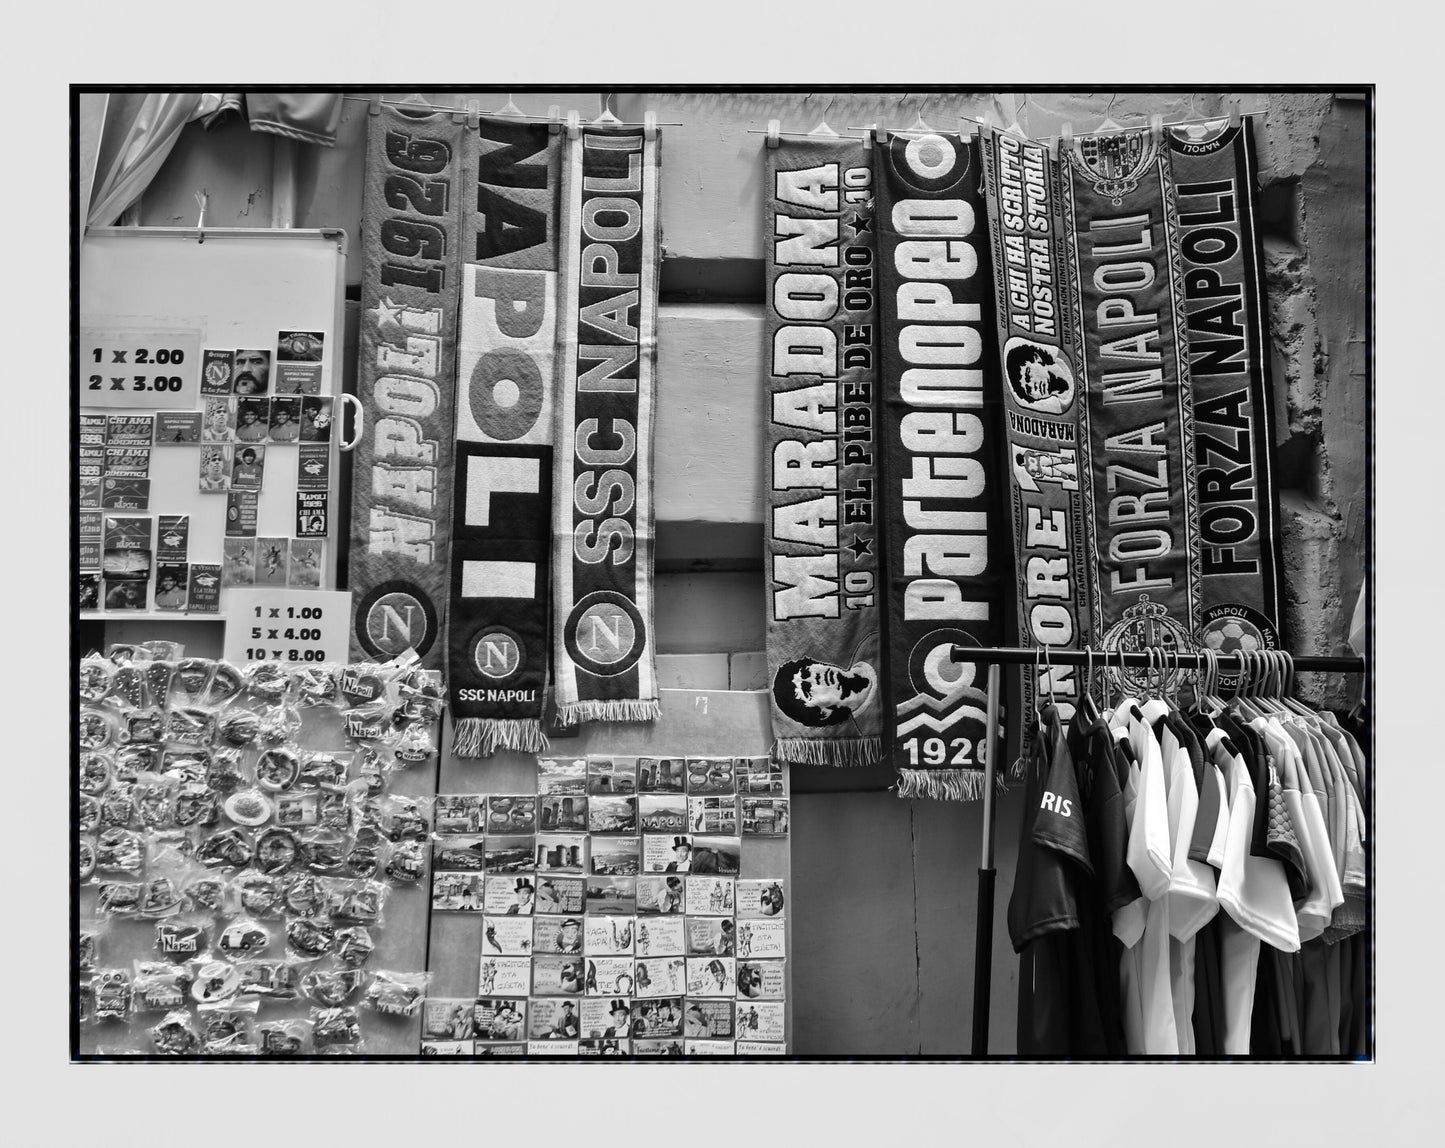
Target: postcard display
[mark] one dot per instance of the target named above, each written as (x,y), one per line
(208,416)
(626,894)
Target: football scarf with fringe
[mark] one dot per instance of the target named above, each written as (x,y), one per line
(603,529)
(939,498)
(821,537)
(1216,180)
(497,637)
(1137,420)
(1041,390)
(402,467)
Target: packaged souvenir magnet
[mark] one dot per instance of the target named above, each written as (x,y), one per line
(118,898)
(318,685)
(161,897)
(355,902)
(337,808)
(324,851)
(320,770)
(225,685)
(96,729)
(396,994)
(297,810)
(95,772)
(277,769)
(278,980)
(169,849)
(249,807)
(159,986)
(120,850)
(367,766)
(225,1029)
(310,937)
(190,680)
(413,744)
(243,938)
(331,987)
(364,683)
(158,681)
(175,1035)
(129,688)
(191,725)
(268,681)
(406,817)
(88,946)
(283,1037)
(226,771)
(367,724)
(85,1000)
(196,805)
(238,727)
(143,727)
(277,850)
(406,862)
(215,982)
(226,849)
(279,724)
(335,1030)
(133,760)
(303,894)
(95,675)
(182,939)
(116,807)
(354,945)
(192,764)
(154,795)
(112,989)
(204,892)
(364,856)
(258,894)
(85,858)
(87,813)
(419,695)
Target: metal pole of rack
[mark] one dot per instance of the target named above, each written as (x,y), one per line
(1021,656)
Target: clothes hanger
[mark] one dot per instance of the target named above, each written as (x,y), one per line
(1086,701)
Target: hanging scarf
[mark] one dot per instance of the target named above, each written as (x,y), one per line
(938,493)
(1216,179)
(603,531)
(401,501)
(506,366)
(1137,426)
(1039,351)
(821,538)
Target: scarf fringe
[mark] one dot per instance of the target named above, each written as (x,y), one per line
(482,737)
(842,752)
(617,709)
(946,784)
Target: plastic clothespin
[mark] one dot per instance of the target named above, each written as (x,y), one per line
(202,198)
(574,124)
(1156,129)
(649,126)
(870,134)
(509,108)
(474,114)
(554,119)
(459,115)
(1065,143)
(1235,119)
(774,136)
(374,106)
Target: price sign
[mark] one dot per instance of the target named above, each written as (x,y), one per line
(293,627)
(139,366)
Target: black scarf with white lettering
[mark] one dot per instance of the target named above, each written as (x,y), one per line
(1216,179)
(939,494)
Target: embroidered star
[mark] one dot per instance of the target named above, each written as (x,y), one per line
(860,223)
(860,546)
(386,313)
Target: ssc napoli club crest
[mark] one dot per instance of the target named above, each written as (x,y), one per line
(946,699)
(395,617)
(1232,629)
(498,654)
(928,162)
(605,634)
(1144,627)
(1114,164)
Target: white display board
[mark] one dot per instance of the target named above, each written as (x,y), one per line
(233,288)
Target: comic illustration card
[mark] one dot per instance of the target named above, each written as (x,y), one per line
(241,511)
(761,1020)
(760,897)
(612,814)
(173,532)
(711,977)
(205,592)
(657,1048)
(304,561)
(285,420)
(606,1017)
(708,1020)
(661,937)
(712,815)
(559,934)
(271,561)
(125,493)
(666,853)
(504,976)
(447,1018)
(448,1048)
(248,467)
(316,419)
(662,812)
(711,936)
(510,854)
(238,561)
(611,776)
(559,854)
(717,855)
(214,471)
(710,776)
(610,935)
(313,513)
(610,895)
(562,775)
(178,428)
(218,421)
(251,371)
(498,1018)
(253,421)
(502,1050)
(554,1018)
(659,976)
(129,430)
(313,466)
(511,895)
(298,362)
(664,894)
(604,1046)
(615,856)
(511,813)
(710,896)
(562,813)
(506,936)
(462,853)
(458,812)
(565,896)
(456,891)
(216,368)
(657,1017)
(761,980)
(171,580)
(609,976)
(661,775)
(557,974)
(127,461)
(762,938)
(707,1047)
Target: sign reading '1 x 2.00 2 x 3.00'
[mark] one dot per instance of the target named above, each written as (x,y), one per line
(153,366)
(291,626)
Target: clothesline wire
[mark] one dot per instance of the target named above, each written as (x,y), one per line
(485,112)
(1027,656)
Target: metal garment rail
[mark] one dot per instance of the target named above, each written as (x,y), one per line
(995,659)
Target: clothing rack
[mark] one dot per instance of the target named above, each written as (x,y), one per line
(998,657)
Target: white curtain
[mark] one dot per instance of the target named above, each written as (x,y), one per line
(136,132)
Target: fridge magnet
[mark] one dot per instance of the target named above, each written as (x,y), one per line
(612,815)
(303,563)
(762,938)
(710,896)
(215,469)
(760,897)
(760,980)
(661,775)
(507,936)
(662,812)
(659,976)
(251,372)
(561,895)
(611,776)
(216,368)
(285,420)
(711,977)
(658,895)
(316,419)
(611,895)
(504,976)
(615,856)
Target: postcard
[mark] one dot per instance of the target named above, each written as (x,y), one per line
(238,561)
(761,980)
(559,934)
(561,854)
(271,560)
(500,1018)
(761,1048)
(758,776)
(615,856)
(553,1018)
(512,813)
(672,1047)
(510,894)
(659,977)
(660,937)
(662,812)
(765,816)
(447,1018)
(661,775)
(562,813)
(710,896)
(710,776)
(458,813)
(761,1020)
(708,1020)
(507,936)
(459,853)
(504,976)
(707,1048)
(610,894)
(607,936)
(657,1018)
(711,977)
(561,895)
(716,855)
(612,815)
(666,853)
(762,938)
(711,936)
(562,775)
(447,1048)
(509,854)
(304,563)
(606,1017)
(609,976)
(456,891)
(760,897)
(555,975)
(611,776)
(712,815)
(660,894)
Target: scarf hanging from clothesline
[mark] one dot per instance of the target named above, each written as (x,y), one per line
(497,636)
(938,492)
(1216,180)
(821,536)
(603,530)
(402,468)
(1137,421)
